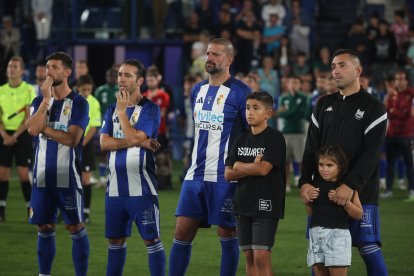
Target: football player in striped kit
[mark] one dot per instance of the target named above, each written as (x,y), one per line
(58,119)
(206,198)
(128,132)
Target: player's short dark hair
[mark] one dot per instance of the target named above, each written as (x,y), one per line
(85,79)
(337,154)
(262,96)
(65,58)
(138,64)
(228,46)
(354,54)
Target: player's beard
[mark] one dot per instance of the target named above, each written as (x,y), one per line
(212,70)
(57,82)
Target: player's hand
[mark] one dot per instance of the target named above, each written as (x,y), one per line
(342,195)
(313,193)
(304,193)
(9,140)
(46,88)
(151,144)
(258,159)
(235,165)
(122,98)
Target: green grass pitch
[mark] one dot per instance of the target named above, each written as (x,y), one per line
(18,240)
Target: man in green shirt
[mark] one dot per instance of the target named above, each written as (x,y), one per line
(15,99)
(292,110)
(106,95)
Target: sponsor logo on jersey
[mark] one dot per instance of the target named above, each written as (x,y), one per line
(208,120)
(245,151)
(58,126)
(329,109)
(265,205)
(118,134)
(359,114)
(200,100)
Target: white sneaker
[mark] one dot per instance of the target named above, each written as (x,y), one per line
(401,185)
(288,189)
(382,182)
(296,178)
(386,194)
(93,180)
(410,196)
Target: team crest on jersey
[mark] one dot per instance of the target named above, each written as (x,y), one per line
(359,114)
(220,99)
(134,118)
(66,110)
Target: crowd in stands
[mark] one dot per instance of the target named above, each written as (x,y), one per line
(276,51)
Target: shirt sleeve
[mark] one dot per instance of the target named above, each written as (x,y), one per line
(80,113)
(35,105)
(232,155)
(149,120)
(275,152)
(107,125)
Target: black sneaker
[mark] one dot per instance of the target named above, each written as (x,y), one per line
(2,214)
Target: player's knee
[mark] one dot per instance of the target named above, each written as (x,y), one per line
(226,232)
(117,241)
(249,257)
(150,242)
(74,228)
(43,228)
(261,257)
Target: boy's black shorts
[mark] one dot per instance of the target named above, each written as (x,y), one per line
(256,233)
(22,151)
(88,157)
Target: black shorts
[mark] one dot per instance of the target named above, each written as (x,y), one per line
(256,233)
(88,157)
(21,151)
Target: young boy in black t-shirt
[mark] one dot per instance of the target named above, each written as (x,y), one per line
(257,161)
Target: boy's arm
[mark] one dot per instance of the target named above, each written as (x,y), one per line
(88,137)
(309,208)
(354,207)
(230,174)
(261,168)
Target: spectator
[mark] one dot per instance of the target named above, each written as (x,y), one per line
(301,68)
(272,35)
(81,69)
(322,64)
(206,15)
(269,77)
(357,37)
(40,77)
(42,18)
(198,57)
(272,7)
(373,27)
(400,29)
(224,24)
(299,37)
(10,44)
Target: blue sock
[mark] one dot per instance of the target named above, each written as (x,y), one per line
(374,261)
(80,252)
(46,250)
(400,168)
(179,257)
(229,256)
(116,259)
(296,171)
(156,258)
(382,168)
(102,169)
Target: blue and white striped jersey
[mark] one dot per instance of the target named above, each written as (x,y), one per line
(219,117)
(132,170)
(57,165)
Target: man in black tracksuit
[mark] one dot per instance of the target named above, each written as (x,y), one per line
(356,121)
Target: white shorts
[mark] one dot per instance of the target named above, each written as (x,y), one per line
(332,247)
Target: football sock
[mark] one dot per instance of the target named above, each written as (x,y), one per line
(4,190)
(116,259)
(27,191)
(87,195)
(46,250)
(382,168)
(229,256)
(179,257)
(371,253)
(400,168)
(80,252)
(102,169)
(156,258)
